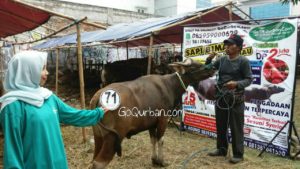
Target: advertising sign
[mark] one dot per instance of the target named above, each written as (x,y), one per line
(271,49)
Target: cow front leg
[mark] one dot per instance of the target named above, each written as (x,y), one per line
(153,139)
(161,128)
(160,152)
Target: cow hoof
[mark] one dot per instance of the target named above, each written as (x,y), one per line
(98,165)
(160,163)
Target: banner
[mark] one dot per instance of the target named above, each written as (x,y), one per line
(271,49)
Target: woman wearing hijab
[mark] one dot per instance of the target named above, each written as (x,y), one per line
(30,116)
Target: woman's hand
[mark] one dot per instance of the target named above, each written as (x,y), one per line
(104,109)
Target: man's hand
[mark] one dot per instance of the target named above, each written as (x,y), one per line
(231,85)
(212,56)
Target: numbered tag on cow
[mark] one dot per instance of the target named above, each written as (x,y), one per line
(110,99)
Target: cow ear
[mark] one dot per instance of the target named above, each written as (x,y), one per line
(177,68)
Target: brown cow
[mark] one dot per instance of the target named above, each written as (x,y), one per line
(155,92)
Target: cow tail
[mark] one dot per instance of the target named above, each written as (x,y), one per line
(117,146)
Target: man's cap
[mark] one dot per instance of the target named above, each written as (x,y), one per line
(234,39)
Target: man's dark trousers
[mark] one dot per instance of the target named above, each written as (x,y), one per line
(236,124)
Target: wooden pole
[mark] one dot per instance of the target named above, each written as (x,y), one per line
(56,72)
(150,55)
(14,49)
(81,77)
(1,69)
(235,6)
(230,11)
(46,27)
(127,50)
(174,53)
(54,33)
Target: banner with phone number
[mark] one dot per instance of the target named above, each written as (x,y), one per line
(271,49)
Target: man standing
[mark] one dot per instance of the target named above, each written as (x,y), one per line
(234,74)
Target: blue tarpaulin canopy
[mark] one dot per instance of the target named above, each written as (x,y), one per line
(165,30)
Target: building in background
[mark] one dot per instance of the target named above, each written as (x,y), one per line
(257,9)
(261,9)
(105,14)
(173,7)
(203,4)
(154,7)
(141,6)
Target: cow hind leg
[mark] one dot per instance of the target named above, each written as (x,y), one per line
(153,139)
(106,152)
(98,145)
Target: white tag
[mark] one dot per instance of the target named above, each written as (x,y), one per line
(110,99)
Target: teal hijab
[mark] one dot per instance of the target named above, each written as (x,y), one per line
(22,79)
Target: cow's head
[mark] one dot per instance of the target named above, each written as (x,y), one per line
(193,70)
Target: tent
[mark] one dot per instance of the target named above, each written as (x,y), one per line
(164,30)
(16,18)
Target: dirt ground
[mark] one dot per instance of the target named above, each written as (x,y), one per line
(182,150)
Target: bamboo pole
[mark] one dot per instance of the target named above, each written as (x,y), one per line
(56,72)
(150,55)
(81,77)
(54,33)
(239,9)
(230,11)
(57,14)
(127,53)
(1,69)
(130,39)
(46,27)
(14,49)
